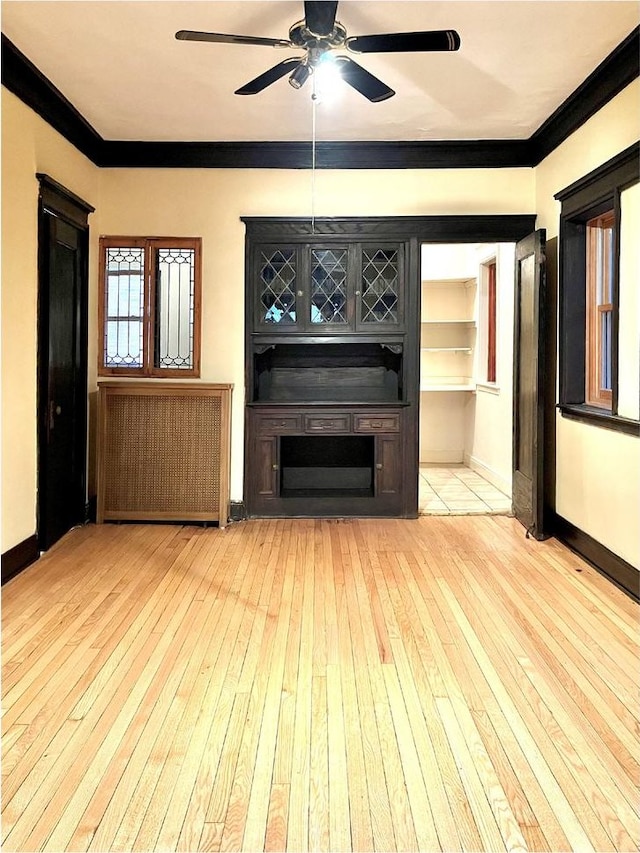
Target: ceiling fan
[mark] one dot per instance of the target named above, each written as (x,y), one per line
(318,34)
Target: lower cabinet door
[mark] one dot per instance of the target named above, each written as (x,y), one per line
(388,464)
(267,466)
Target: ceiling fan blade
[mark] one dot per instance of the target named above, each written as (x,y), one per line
(269,77)
(362,80)
(223,38)
(320,16)
(405,42)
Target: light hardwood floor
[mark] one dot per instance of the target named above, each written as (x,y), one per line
(439,684)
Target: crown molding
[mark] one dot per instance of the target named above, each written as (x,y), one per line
(614,73)
(20,76)
(494,153)
(621,67)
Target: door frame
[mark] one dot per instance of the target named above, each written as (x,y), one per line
(55,200)
(462,230)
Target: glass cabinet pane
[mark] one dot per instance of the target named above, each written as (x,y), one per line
(277,281)
(328,302)
(380,285)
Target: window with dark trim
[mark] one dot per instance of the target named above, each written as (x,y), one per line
(599,282)
(589,292)
(149,306)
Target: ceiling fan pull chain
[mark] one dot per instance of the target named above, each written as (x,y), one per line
(314,102)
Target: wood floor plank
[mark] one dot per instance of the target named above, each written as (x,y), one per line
(276,835)
(339,816)
(327,684)
(319,833)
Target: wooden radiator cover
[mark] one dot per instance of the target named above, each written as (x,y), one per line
(163,451)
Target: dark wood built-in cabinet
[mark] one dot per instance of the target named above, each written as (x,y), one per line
(325,461)
(330,370)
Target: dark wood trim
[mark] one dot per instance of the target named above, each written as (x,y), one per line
(619,172)
(28,83)
(613,567)
(19,557)
(63,202)
(550,314)
(619,69)
(237,511)
(615,300)
(599,417)
(428,229)
(91,510)
(590,196)
(614,73)
(455,154)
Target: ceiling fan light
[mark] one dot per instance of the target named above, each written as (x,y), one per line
(300,76)
(327,78)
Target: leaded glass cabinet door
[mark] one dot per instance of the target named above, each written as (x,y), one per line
(278,293)
(380,287)
(329,306)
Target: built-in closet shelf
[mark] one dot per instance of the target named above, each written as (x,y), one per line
(469,324)
(467,281)
(454,386)
(467,350)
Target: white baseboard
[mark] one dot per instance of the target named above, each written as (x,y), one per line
(489,474)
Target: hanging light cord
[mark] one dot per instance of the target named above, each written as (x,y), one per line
(314,101)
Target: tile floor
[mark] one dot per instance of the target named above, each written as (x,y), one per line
(456,490)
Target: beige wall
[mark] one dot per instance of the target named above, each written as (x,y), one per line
(598,471)
(29,145)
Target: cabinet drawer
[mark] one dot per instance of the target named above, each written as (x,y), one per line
(328,423)
(277,424)
(376,423)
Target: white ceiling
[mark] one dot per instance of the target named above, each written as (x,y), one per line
(120,65)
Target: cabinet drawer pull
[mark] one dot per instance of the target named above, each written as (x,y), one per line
(376,424)
(275,466)
(379,466)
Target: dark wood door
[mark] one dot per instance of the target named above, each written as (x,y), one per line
(528,384)
(62,368)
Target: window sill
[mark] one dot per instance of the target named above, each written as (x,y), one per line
(600,418)
(488,387)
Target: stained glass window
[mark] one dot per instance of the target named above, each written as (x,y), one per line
(150,290)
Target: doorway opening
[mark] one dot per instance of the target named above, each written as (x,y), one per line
(466,378)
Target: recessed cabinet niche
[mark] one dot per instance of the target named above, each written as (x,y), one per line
(328,412)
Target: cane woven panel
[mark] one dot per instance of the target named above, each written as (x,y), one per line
(163,456)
